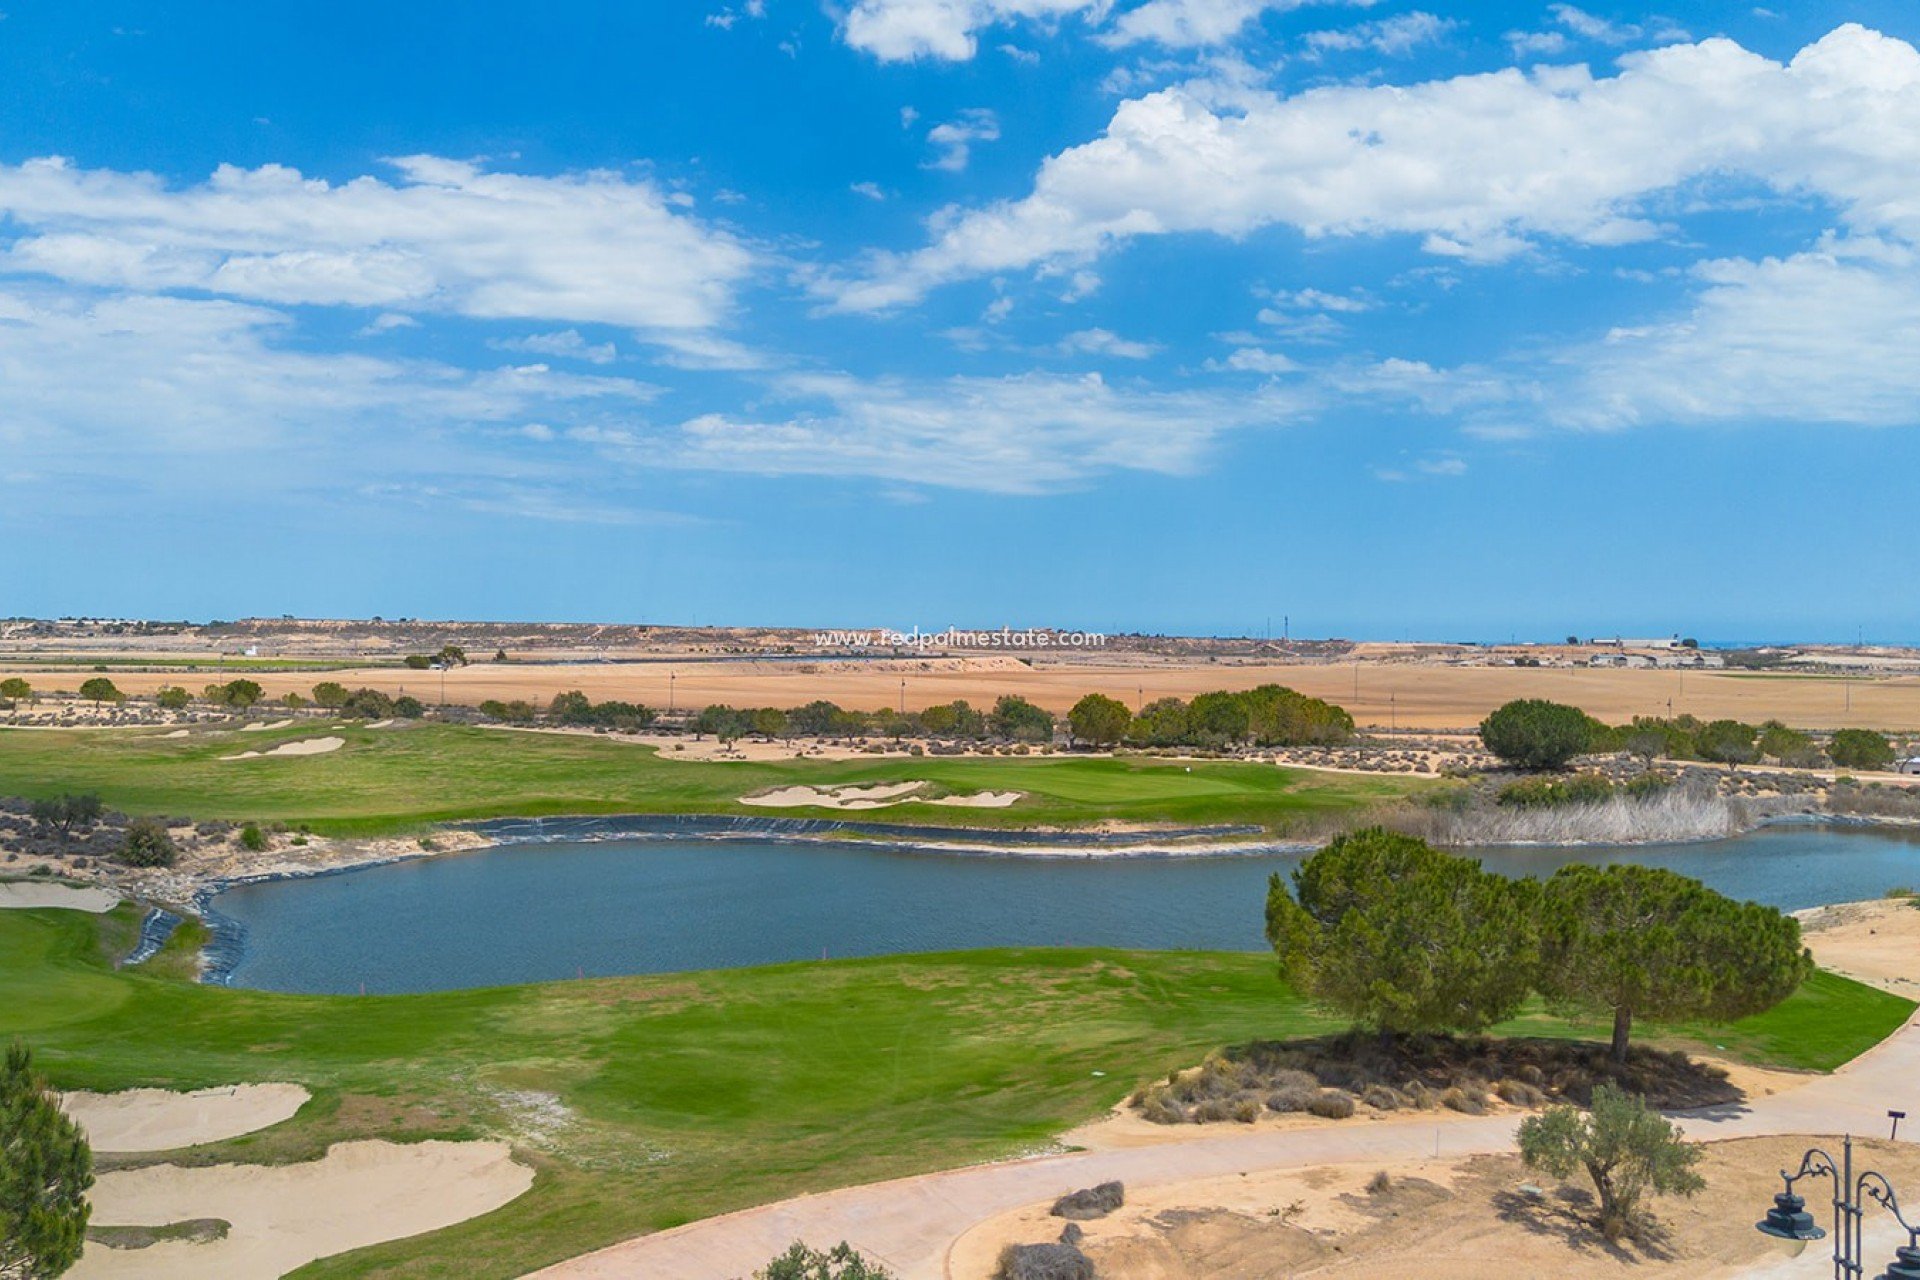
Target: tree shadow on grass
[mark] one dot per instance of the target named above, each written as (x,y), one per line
(1570,1215)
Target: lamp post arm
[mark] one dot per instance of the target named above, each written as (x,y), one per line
(1875,1187)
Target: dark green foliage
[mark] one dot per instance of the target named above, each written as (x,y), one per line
(770,722)
(171,697)
(1269,716)
(954,719)
(45,1170)
(408,707)
(1532,733)
(367,704)
(1163,722)
(1218,719)
(1860,749)
(252,837)
(518,711)
(239,694)
(1627,1149)
(66,812)
(1645,786)
(1634,941)
(722,721)
(15,689)
(837,1263)
(1098,721)
(1727,742)
(148,844)
(418,661)
(1017,720)
(814,720)
(330,694)
(1401,937)
(1778,742)
(99,689)
(1537,793)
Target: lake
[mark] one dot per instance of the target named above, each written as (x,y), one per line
(560,909)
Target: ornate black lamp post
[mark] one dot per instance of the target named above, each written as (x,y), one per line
(1790,1223)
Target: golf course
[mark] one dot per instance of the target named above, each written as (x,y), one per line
(400,779)
(669,1098)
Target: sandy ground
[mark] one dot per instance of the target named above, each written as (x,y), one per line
(160,1120)
(258,725)
(304,747)
(1477,1218)
(879,796)
(283,1216)
(1380,692)
(1874,942)
(27,894)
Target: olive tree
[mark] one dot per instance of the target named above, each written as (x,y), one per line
(1401,937)
(1727,742)
(1532,733)
(1627,1148)
(1632,941)
(45,1170)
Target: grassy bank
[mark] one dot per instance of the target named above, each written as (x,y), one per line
(686,1095)
(393,779)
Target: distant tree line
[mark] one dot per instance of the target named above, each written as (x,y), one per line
(1266,717)
(1532,733)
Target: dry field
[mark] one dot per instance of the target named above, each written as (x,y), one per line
(1379,693)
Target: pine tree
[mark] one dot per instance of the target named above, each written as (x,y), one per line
(45,1170)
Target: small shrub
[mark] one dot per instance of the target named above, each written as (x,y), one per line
(1331,1105)
(1291,1099)
(148,845)
(1091,1202)
(837,1263)
(1382,1098)
(1379,1183)
(1539,793)
(1043,1262)
(1519,1093)
(1468,1102)
(252,838)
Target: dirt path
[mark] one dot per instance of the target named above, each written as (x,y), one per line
(912,1224)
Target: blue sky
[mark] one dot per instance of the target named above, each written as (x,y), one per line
(1397,320)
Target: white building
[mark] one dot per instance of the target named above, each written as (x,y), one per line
(1910,765)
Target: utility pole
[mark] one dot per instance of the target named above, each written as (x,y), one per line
(670,680)
(903,696)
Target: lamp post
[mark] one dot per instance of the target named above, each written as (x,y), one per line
(1790,1223)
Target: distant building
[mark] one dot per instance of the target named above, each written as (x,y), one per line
(1910,765)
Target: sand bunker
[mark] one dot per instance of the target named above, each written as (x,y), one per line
(379,724)
(259,725)
(26,894)
(177,733)
(161,1120)
(304,747)
(981,799)
(284,1216)
(878,796)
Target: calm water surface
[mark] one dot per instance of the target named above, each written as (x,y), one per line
(525,913)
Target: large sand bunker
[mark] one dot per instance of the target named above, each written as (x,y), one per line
(27,894)
(284,1216)
(160,1120)
(878,796)
(304,747)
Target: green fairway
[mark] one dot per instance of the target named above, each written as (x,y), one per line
(692,1094)
(386,780)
